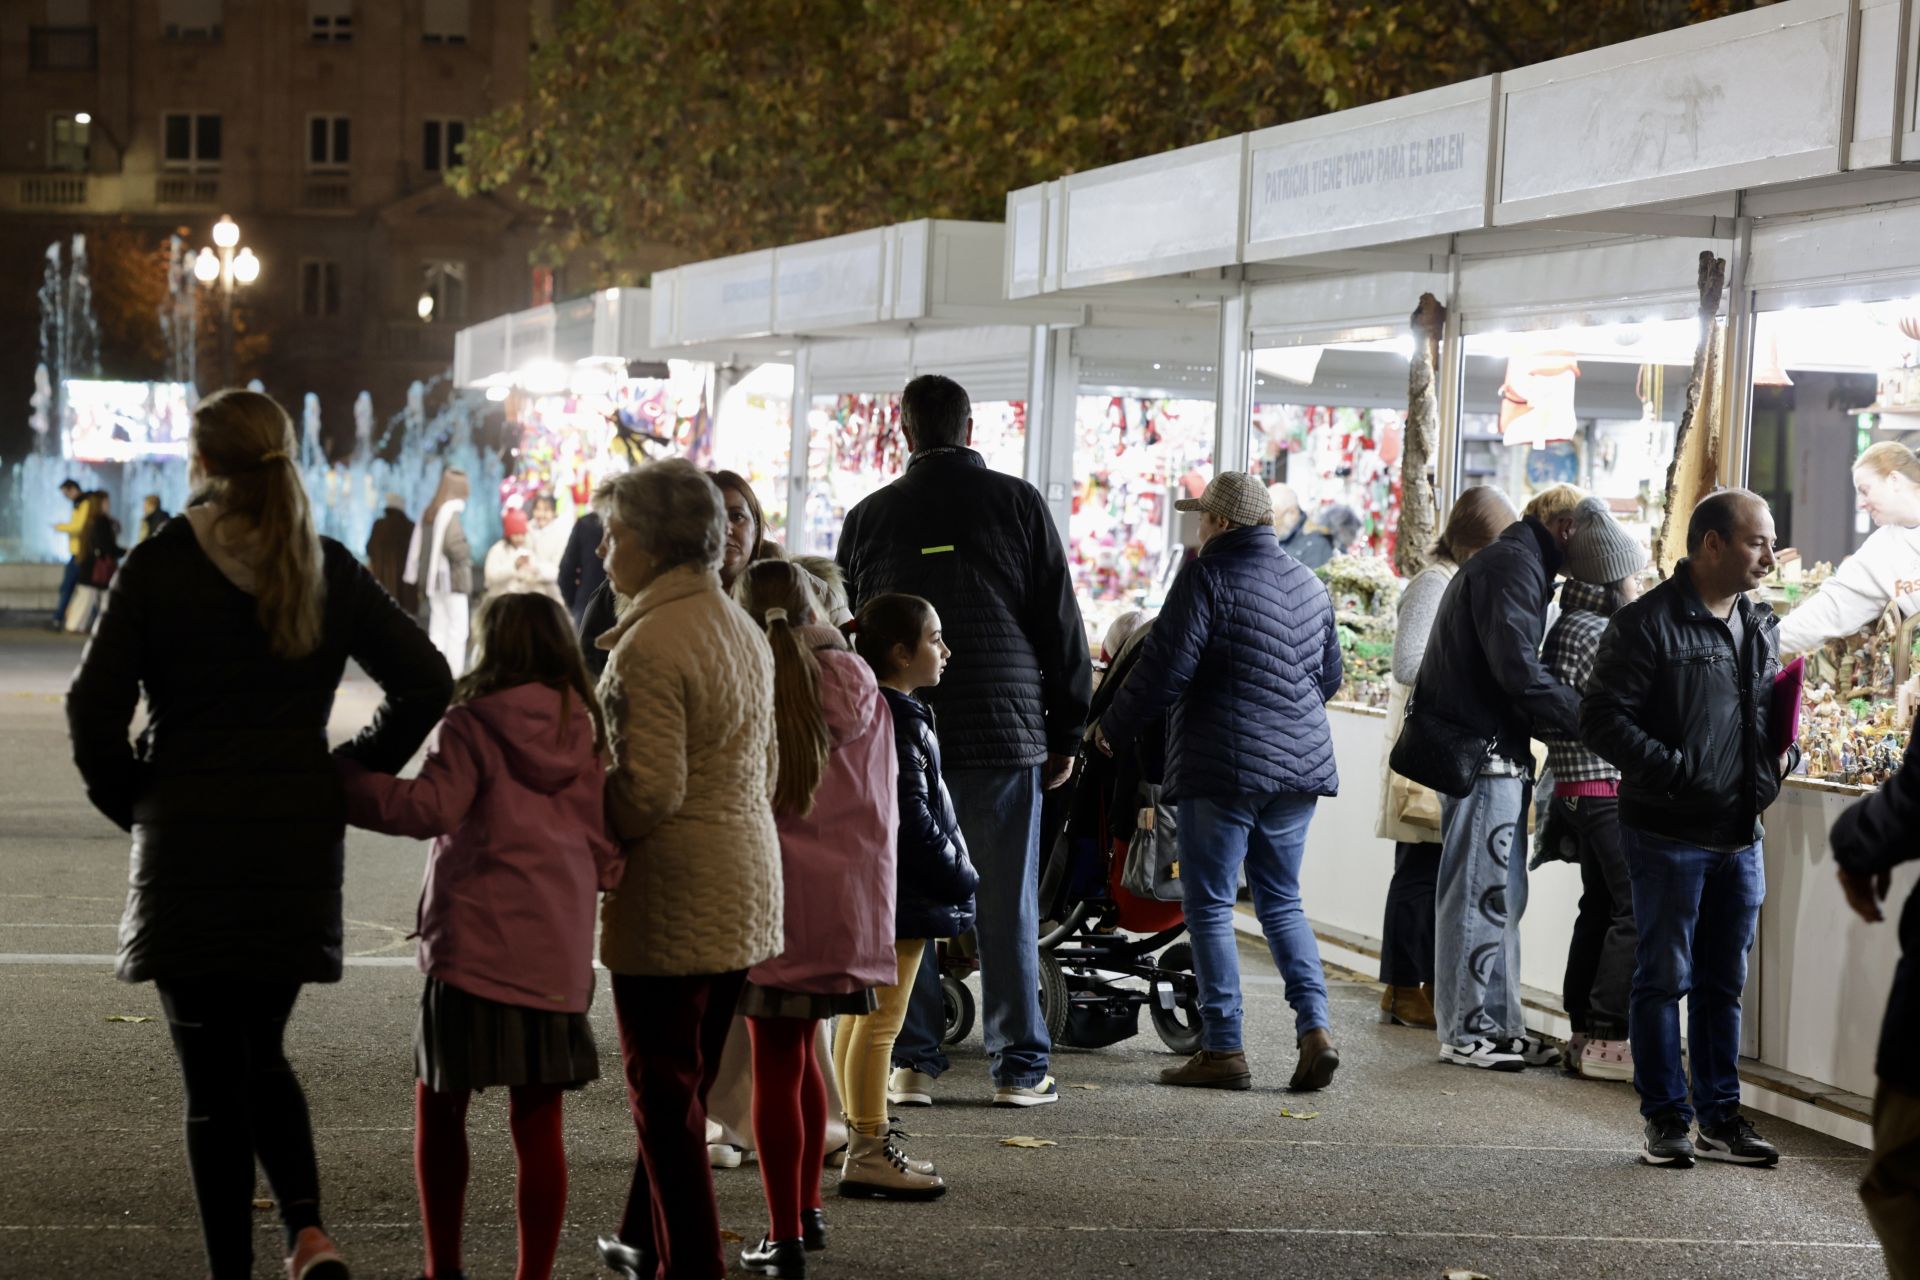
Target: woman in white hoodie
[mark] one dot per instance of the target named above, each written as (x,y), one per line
(441,563)
(1886,568)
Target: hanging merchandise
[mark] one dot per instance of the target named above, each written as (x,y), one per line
(1341,463)
(1536,401)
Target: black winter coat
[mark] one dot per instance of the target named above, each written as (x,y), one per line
(1683,717)
(1874,835)
(580,572)
(1246,653)
(935,879)
(982,547)
(231,793)
(1482,671)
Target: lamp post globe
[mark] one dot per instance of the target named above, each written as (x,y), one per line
(206,267)
(246,267)
(226,232)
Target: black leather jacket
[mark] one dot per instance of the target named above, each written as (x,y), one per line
(1684,718)
(1482,669)
(936,881)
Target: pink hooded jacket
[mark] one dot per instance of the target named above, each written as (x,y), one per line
(511,792)
(837,862)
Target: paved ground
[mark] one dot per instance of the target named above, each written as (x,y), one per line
(1409,1168)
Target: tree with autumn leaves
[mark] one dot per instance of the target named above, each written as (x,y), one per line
(718,126)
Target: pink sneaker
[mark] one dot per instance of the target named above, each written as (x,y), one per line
(315,1258)
(1607,1060)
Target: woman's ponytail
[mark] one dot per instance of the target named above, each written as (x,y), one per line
(776,594)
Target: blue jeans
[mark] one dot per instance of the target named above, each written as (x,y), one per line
(1696,910)
(68,581)
(1479,897)
(1267,834)
(999,812)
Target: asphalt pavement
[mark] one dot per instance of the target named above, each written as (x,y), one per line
(1405,1167)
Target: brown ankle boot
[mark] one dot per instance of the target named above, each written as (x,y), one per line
(1209,1070)
(1407,1007)
(1318,1061)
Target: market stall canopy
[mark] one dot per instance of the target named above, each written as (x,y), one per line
(544,344)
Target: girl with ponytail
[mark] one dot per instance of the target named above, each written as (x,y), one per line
(238,623)
(834,805)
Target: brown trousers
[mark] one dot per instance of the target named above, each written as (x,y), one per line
(1891,1189)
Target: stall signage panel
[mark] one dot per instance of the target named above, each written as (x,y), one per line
(837,281)
(728,298)
(1727,104)
(1153,217)
(1424,173)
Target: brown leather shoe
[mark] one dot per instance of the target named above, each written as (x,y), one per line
(1209,1070)
(1407,1007)
(1318,1061)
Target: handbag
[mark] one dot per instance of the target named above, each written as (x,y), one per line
(1437,753)
(1152,868)
(104,568)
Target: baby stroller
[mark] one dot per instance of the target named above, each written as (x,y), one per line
(1106,952)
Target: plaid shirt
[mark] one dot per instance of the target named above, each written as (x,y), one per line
(1568,654)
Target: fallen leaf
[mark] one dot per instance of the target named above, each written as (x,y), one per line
(1298,1115)
(1083,1086)
(128,1017)
(1461,1273)
(732,1237)
(1449,1092)
(263,1204)
(1028,1142)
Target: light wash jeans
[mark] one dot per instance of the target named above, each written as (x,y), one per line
(1478,900)
(999,812)
(1267,834)
(1696,910)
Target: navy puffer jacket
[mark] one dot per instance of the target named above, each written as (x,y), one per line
(936,880)
(981,546)
(1246,654)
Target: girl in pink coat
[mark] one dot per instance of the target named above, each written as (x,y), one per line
(511,795)
(834,804)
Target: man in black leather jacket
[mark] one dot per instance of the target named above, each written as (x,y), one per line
(1481,674)
(1679,702)
(983,548)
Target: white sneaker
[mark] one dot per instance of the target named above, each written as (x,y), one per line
(724,1155)
(1607,1060)
(909,1088)
(1485,1053)
(1034,1095)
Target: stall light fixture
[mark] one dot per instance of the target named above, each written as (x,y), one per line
(543,378)
(497,394)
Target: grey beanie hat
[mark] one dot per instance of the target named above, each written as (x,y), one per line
(1600,551)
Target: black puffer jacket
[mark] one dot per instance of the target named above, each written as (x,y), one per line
(1683,717)
(981,546)
(236,811)
(1875,835)
(936,881)
(1482,671)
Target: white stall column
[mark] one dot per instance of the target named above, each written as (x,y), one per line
(1053,392)
(797,456)
(1233,387)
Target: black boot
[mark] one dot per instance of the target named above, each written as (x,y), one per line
(813,1229)
(786,1259)
(627,1260)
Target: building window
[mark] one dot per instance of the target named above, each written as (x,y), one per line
(330,21)
(319,288)
(445,283)
(444,21)
(66,143)
(328,139)
(446,144)
(63,49)
(191,139)
(190,19)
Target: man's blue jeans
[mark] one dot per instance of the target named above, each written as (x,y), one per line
(1696,910)
(999,812)
(68,581)
(1267,834)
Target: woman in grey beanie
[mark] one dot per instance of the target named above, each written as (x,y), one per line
(1603,564)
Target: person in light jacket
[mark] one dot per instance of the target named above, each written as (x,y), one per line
(1409,812)
(836,808)
(440,564)
(688,698)
(512,565)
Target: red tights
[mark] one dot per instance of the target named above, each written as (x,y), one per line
(789,1119)
(440,1169)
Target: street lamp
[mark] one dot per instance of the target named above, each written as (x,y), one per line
(424,307)
(229,269)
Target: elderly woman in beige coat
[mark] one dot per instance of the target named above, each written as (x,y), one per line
(688,693)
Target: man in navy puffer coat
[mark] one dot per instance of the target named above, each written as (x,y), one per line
(1246,654)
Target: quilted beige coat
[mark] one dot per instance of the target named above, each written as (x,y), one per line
(688,694)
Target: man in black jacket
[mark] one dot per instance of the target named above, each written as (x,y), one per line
(1481,677)
(1678,702)
(1871,838)
(982,547)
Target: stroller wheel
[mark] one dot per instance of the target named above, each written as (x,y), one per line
(958,1003)
(1178,1027)
(1053,997)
